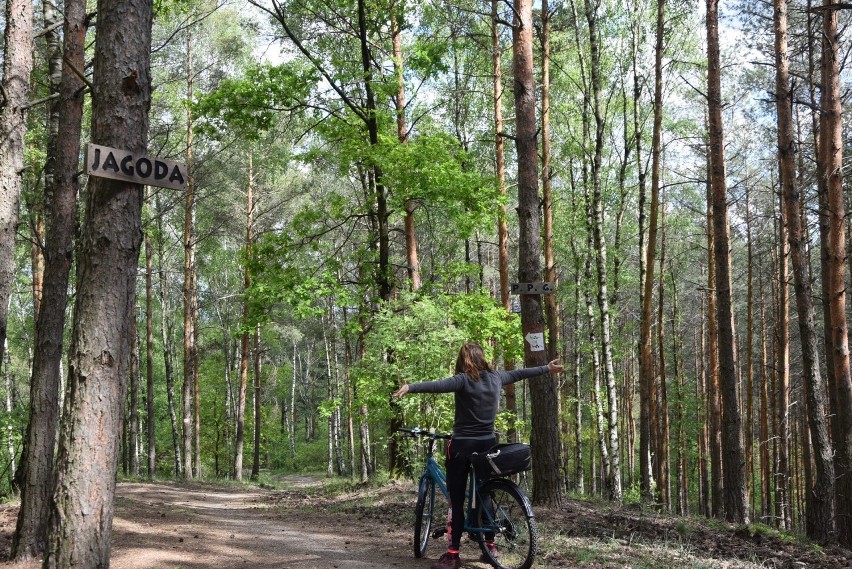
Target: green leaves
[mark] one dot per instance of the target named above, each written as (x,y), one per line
(417,339)
(251,105)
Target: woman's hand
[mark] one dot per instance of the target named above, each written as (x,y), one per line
(554,367)
(402,391)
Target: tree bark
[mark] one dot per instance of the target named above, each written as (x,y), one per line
(646,361)
(167,333)
(81,523)
(402,136)
(545,430)
(733,459)
(829,171)
(245,351)
(502,216)
(150,419)
(14,99)
(189,324)
(546,187)
(614,474)
(30,535)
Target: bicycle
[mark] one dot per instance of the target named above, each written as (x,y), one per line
(496,507)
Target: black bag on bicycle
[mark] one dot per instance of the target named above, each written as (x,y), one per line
(502,460)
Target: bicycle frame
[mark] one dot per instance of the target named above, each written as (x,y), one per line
(497,513)
(472,497)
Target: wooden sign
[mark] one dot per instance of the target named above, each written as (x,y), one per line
(532,288)
(115,164)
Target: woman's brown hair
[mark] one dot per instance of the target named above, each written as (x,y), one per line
(472,360)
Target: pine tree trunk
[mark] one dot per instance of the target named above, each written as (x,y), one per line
(662,414)
(255,464)
(830,173)
(545,431)
(106,285)
(546,187)
(33,515)
(782,378)
(502,215)
(749,424)
(402,136)
(711,390)
(733,459)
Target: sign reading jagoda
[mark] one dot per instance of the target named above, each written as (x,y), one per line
(106,162)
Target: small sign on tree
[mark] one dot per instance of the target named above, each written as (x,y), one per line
(106,162)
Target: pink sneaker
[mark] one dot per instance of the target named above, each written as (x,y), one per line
(492,549)
(448,561)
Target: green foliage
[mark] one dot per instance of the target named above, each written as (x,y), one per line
(417,339)
(250,105)
(433,169)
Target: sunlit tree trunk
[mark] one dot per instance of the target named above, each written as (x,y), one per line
(749,366)
(167,332)
(258,415)
(150,419)
(245,350)
(546,186)
(402,135)
(607,370)
(782,378)
(646,358)
(830,172)
(14,102)
(662,415)
(81,524)
(733,459)
(502,216)
(188,269)
(543,392)
(61,170)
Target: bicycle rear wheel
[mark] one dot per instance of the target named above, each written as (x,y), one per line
(506,514)
(423,515)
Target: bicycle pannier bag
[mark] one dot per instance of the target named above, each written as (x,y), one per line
(502,460)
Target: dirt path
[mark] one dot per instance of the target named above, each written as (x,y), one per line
(203,526)
(171,526)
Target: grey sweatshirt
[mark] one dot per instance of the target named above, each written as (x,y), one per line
(476,401)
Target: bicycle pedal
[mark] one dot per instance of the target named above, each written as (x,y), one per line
(439,533)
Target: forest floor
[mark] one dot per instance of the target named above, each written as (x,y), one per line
(301,525)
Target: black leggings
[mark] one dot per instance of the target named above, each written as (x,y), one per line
(458,464)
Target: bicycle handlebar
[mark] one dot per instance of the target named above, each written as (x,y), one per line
(418,432)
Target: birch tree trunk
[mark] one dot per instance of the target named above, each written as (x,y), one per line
(614,474)
(150,420)
(81,524)
(14,99)
(188,270)
(167,333)
(244,338)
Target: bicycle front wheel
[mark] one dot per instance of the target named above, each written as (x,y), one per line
(423,515)
(510,539)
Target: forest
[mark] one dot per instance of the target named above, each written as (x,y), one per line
(366,184)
